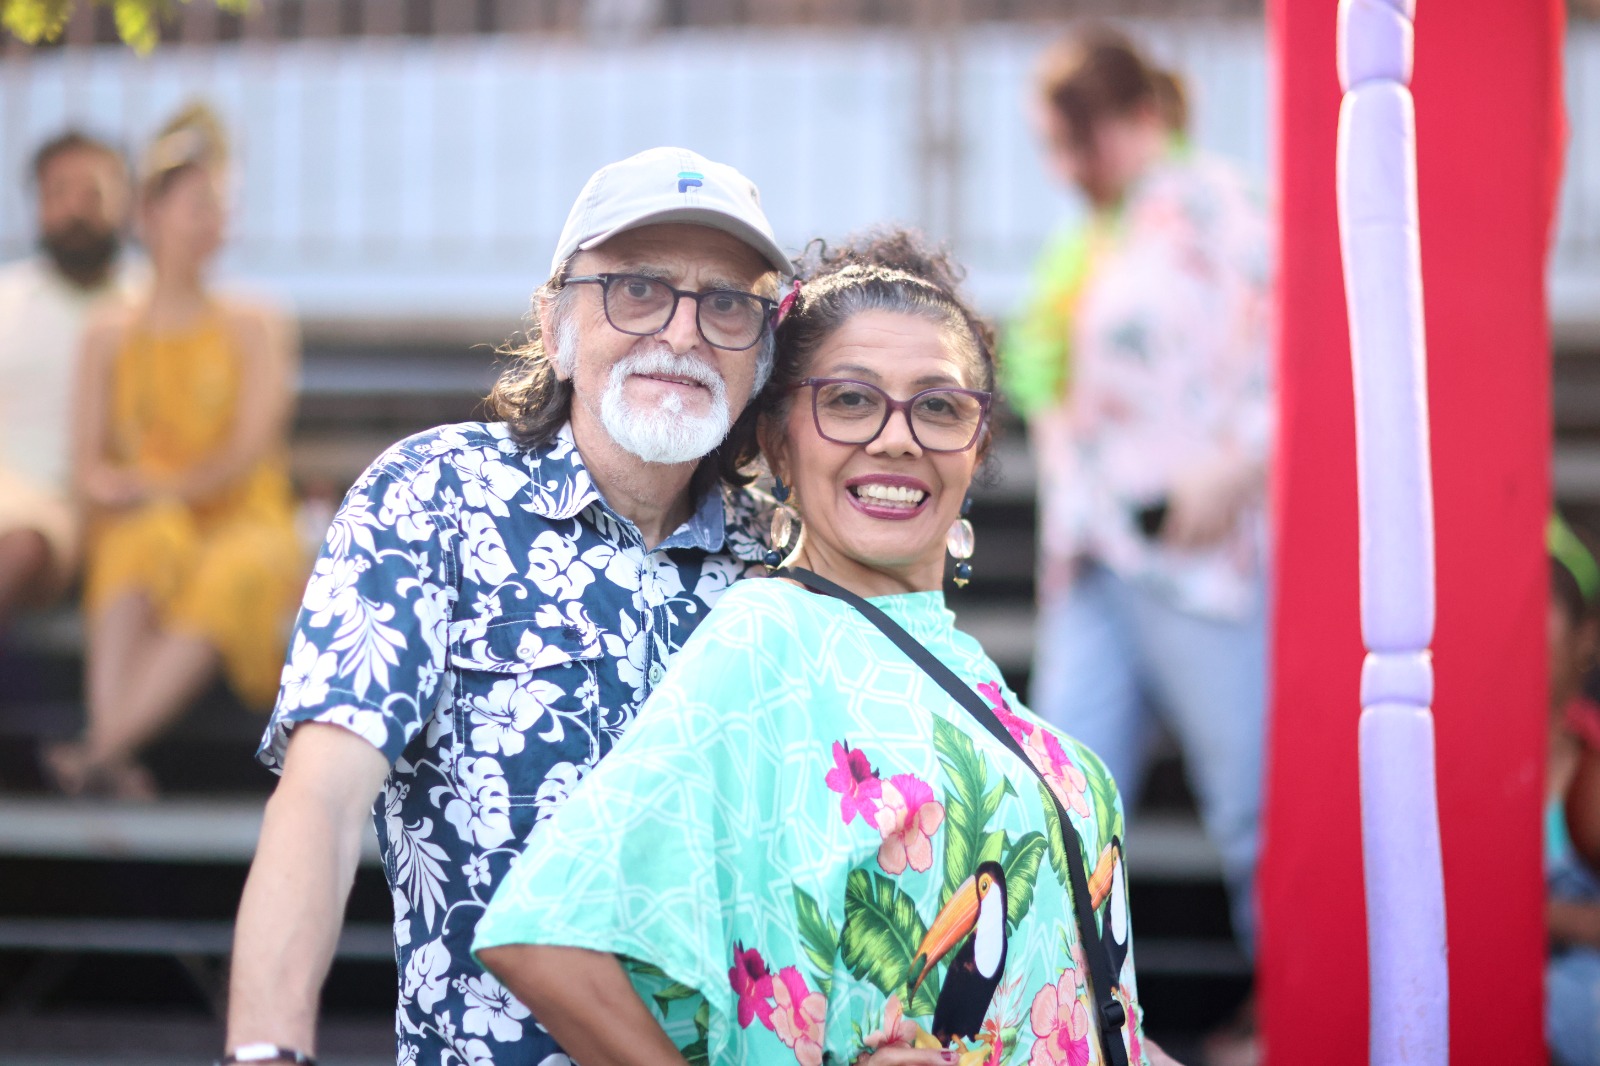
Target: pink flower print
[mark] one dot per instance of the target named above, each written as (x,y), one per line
(857,783)
(798,1016)
(897,1031)
(1130,1029)
(1019,729)
(1060,772)
(752,984)
(1044,751)
(907,817)
(1061,1025)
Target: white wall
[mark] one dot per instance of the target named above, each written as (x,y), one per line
(393,179)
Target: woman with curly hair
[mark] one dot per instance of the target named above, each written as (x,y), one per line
(194,565)
(834,834)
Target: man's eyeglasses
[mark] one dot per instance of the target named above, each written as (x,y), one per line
(854,412)
(642,306)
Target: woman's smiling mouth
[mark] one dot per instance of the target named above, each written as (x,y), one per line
(888,496)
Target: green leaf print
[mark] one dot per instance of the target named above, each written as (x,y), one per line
(1021,865)
(882,930)
(968,807)
(1103,790)
(699,1052)
(1052,832)
(819,936)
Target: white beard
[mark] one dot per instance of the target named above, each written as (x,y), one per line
(665,433)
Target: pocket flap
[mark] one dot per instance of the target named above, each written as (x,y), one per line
(514,643)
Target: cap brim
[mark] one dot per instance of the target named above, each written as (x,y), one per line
(700,216)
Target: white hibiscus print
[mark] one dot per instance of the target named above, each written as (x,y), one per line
(352,527)
(332,589)
(483,553)
(510,709)
(555,788)
(621,566)
(371,726)
(491,1009)
(478,804)
(554,566)
(406,515)
(487,480)
(306,675)
(425,978)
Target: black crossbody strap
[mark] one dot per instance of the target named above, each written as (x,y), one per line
(1110,1013)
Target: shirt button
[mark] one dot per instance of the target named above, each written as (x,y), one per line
(657,672)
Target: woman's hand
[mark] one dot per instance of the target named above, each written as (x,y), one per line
(910,1056)
(114,489)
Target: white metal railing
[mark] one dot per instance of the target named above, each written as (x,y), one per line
(389,179)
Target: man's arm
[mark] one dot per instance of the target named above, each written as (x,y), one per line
(293,902)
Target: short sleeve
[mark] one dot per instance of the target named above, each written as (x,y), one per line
(649,855)
(368,648)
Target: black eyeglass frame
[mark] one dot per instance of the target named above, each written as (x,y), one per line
(605,281)
(892,406)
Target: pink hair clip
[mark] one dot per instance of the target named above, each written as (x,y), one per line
(787,303)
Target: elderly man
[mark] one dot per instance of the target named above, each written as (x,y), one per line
(495,601)
(83,203)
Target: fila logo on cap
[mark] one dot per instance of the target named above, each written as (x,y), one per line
(690,179)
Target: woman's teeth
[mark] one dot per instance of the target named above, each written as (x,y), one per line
(890,495)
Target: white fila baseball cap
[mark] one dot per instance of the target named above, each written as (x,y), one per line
(668,185)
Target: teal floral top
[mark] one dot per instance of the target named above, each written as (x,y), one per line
(804,849)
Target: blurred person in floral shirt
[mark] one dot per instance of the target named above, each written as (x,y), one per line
(1141,368)
(495,600)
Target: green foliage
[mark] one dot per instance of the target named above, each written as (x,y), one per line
(819,936)
(1103,790)
(699,1052)
(969,806)
(1021,864)
(1058,857)
(882,931)
(138,21)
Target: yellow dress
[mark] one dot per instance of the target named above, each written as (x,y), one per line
(230,568)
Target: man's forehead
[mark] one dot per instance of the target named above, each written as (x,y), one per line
(678,252)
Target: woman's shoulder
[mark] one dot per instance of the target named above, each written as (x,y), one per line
(253,318)
(764,611)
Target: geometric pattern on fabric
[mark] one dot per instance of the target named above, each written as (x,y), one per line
(795,807)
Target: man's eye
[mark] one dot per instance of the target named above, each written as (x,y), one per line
(723,303)
(638,289)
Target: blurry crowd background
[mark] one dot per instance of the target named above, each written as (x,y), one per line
(379,182)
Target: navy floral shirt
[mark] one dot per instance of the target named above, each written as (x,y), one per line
(483,617)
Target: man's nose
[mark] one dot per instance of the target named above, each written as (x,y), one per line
(682,334)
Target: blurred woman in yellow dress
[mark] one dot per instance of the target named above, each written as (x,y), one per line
(194,563)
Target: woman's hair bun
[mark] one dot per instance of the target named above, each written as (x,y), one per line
(194,137)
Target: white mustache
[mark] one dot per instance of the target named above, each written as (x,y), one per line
(667,363)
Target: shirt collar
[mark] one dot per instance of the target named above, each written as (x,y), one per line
(562,488)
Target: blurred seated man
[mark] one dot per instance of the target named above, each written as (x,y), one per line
(82,201)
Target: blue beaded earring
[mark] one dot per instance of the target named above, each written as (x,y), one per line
(959,542)
(785,520)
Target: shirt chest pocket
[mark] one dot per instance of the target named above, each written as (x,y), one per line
(526,702)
